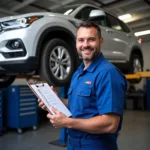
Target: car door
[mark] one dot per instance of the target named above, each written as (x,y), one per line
(84,15)
(120,39)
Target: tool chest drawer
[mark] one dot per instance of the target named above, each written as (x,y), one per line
(1,112)
(21,107)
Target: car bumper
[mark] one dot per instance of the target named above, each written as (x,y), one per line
(25,38)
(19,66)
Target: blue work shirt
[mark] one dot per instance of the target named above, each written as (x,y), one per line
(97,90)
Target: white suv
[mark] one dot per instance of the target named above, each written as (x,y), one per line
(44,44)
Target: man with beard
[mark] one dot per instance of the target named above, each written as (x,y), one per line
(95,97)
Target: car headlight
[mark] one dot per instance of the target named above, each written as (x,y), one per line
(19,23)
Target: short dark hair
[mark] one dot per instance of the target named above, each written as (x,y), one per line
(89,24)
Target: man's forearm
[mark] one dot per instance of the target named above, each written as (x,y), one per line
(95,125)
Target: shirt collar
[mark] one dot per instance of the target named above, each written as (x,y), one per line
(93,65)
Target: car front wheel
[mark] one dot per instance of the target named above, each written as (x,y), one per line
(6,80)
(57,62)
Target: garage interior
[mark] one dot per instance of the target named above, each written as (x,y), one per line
(135,132)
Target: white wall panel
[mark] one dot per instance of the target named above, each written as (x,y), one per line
(146,52)
(146,55)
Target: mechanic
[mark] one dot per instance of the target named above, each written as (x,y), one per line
(95,97)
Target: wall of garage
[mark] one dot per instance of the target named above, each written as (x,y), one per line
(20,82)
(146,52)
(146,55)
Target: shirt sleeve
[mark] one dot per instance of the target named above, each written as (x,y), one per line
(111,89)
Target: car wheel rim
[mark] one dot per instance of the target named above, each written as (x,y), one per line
(137,66)
(60,62)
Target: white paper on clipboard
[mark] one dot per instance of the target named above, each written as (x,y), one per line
(48,96)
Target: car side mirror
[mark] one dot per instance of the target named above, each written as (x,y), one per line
(97,13)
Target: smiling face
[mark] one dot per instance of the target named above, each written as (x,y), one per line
(88,43)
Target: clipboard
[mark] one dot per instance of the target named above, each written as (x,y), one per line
(43,91)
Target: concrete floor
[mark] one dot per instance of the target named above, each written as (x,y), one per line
(134,135)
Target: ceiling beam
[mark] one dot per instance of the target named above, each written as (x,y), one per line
(40,7)
(7,12)
(137,9)
(143,23)
(138,18)
(62,4)
(147,1)
(108,3)
(36,6)
(54,1)
(22,5)
(120,11)
(121,4)
(142,28)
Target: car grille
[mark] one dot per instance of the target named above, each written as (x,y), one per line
(1,29)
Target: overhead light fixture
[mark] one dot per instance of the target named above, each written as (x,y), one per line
(124,17)
(140,33)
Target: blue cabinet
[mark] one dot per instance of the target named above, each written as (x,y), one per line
(1,112)
(148,93)
(21,107)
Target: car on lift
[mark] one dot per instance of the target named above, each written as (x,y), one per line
(44,44)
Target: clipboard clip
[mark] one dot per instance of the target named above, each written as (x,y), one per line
(39,84)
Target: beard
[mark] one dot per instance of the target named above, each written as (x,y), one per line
(93,56)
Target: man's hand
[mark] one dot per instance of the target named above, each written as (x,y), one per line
(42,105)
(58,120)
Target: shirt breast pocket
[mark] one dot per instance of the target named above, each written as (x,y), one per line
(69,91)
(84,99)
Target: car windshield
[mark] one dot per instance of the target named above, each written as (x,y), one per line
(66,10)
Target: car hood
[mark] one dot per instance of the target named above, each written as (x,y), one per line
(48,14)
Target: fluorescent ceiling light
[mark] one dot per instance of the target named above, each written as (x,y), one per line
(126,16)
(142,33)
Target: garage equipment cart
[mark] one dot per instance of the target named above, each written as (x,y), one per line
(21,108)
(1,113)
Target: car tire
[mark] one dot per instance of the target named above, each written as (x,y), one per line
(6,80)
(136,65)
(57,62)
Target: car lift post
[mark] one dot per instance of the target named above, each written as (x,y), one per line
(62,141)
(146,75)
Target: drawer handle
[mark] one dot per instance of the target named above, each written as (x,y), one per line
(28,113)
